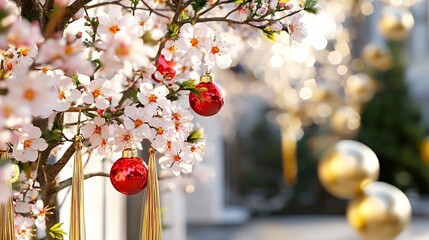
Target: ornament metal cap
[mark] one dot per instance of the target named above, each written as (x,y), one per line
(129,153)
(207,77)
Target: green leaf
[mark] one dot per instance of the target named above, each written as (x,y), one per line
(195,136)
(197,5)
(97,64)
(132,94)
(57,232)
(310,6)
(188,84)
(270,34)
(173,30)
(196,92)
(52,137)
(90,114)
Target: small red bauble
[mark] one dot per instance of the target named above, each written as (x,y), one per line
(166,68)
(211,95)
(129,174)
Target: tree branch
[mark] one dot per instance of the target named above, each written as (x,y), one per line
(56,168)
(154,11)
(70,12)
(68,182)
(216,4)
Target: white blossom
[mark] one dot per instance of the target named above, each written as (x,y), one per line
(98,91)
(66,94)
(127,139)
(153,97)
(195,40)
(96,131)
(29,144)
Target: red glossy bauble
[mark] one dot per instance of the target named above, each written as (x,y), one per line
(166,68)
(212,99)
(129,175)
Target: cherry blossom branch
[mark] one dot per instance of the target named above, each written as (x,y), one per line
(154,11)
(68,182)
(81,109)
(59,165)
(234,10)
(43,161)
(117,2)
(180,7)
(30,6)
(71,11)
(222,19)
(57,15)
(216,4)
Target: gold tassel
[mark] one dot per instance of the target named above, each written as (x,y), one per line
(152,226)
(77,216)
(7,225)
(290,165)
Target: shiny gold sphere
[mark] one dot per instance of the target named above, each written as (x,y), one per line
(396,23)
(377,57)
(381,213)
(345,169)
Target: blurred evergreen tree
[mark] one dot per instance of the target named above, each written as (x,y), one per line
(391,126)
(262,150)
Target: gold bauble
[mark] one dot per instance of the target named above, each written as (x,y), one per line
(377,57)
(360,87)
(396,23)
(424,150)
(14,173)
(345,121)
(381,213)
(345,169)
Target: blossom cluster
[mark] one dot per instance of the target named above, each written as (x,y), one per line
(124,70)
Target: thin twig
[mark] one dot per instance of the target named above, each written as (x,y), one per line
(81,109)
(154,11)
(68,182)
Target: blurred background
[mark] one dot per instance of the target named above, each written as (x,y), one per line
(361,74)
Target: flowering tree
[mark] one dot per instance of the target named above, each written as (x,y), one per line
(117,72)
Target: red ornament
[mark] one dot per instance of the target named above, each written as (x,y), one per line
(129,174)
(211,97)
(166,68)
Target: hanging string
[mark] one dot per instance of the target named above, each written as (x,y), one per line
(77,214)
(7,226)
(152,226)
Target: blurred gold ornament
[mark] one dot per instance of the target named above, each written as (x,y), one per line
(381,213)
(7,225)
(345,121)
(396,23)
(290,165)
(360,87)
(14,174)
(77,212)
(377,57)
(345,169)
(152,226)
(424,150)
